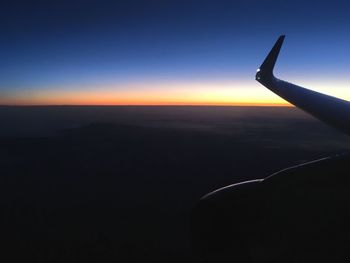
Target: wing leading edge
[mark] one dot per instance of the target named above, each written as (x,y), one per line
(331,110)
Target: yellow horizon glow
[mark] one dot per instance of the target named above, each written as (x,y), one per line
(222,93)
(157,94)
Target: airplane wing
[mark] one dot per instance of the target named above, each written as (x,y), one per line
(331,110)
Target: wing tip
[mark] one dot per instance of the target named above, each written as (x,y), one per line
(266,68)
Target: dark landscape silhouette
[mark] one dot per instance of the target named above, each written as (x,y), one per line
(117,184)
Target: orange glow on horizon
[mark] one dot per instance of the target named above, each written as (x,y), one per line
(251,104)
(210,94)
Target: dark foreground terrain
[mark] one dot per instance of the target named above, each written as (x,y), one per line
(117,184)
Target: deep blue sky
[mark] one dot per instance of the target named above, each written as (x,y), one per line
(51,46)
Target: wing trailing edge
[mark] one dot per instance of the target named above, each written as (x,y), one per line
(331,110)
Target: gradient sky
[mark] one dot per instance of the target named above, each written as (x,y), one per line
(168,52)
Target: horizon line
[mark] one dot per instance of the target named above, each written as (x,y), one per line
(153,105)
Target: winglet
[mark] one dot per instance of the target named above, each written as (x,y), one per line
(266,69)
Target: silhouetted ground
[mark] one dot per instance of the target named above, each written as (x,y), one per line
(116,184)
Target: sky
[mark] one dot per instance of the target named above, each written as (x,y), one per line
(159,52)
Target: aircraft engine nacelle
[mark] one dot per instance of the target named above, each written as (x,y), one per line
(300,214)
